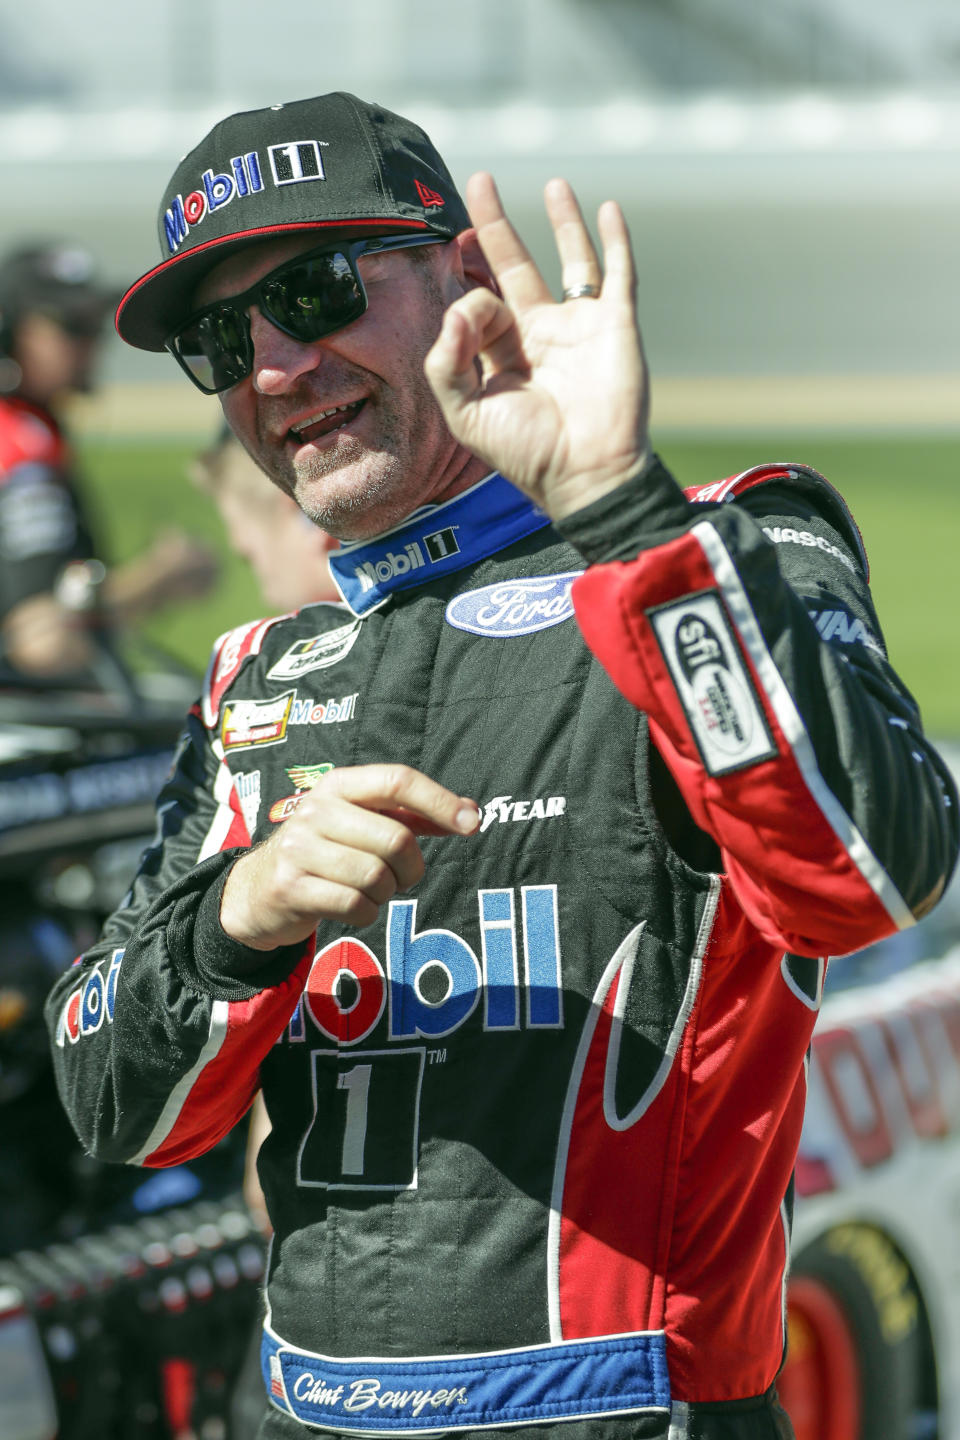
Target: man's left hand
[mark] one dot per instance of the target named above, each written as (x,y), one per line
(552,394)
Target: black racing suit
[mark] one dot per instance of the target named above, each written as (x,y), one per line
(534,1129)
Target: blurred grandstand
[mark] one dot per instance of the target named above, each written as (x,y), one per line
(788,166)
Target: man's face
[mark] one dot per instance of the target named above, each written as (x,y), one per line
(54,361)
(348,424)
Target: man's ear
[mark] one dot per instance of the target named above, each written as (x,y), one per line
(471,263)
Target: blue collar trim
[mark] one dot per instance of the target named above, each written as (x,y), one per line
(436,541)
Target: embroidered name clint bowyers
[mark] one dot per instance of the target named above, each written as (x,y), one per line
(615,1374)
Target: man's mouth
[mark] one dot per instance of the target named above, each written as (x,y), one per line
(324,422)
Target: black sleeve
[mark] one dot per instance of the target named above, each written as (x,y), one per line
(159,1029)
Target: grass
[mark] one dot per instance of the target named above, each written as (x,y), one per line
(901,490)
(138,490)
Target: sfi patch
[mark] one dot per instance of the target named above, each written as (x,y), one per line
(715,689)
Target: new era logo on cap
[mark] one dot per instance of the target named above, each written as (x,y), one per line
(428,196)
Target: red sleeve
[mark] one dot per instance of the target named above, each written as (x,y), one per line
(801,762)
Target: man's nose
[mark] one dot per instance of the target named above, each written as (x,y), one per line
(278,359)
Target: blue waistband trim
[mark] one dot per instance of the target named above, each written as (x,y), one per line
(435,542)
(613,1375)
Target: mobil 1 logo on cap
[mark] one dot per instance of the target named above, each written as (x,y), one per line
(714,687)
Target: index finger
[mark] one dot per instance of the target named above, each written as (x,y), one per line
(402,791)
(516,271)
(415,824)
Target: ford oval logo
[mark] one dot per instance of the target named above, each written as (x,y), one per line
(514,607)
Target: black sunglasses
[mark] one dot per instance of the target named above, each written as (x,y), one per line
(307,297)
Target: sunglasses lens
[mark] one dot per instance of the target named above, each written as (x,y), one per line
(306,299)
(216,348)
(315,298)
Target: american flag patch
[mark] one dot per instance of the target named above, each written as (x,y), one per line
(276,1377)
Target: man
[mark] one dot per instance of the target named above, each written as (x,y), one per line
(58,602)
(512,890)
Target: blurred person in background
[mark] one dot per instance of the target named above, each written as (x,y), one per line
(59,602)
(285,550)
(511,889)
(60,608)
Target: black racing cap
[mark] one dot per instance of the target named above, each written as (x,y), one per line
(333,162)
(56,278)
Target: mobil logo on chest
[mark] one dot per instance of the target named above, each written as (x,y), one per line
(432,981)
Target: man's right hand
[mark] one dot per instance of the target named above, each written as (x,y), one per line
(43,638)
(347,849)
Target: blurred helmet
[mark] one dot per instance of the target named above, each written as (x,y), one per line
(57,279)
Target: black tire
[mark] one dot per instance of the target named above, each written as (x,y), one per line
(867,1277)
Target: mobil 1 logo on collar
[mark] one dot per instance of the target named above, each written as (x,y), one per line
(714,687)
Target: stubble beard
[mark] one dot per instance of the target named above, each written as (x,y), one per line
(367,482)
(354,490)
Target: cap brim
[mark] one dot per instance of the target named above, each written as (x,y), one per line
(157,303)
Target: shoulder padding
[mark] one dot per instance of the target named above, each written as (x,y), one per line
(801,478)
